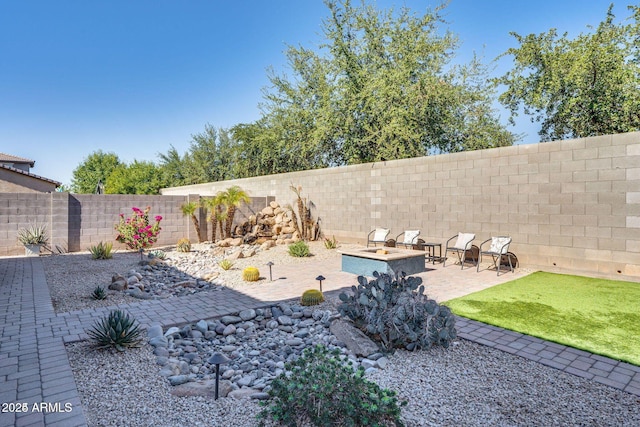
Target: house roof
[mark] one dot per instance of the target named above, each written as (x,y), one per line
(15,159)
(32,175)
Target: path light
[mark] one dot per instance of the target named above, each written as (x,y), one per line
(216,359)
(320,278)
(269,264)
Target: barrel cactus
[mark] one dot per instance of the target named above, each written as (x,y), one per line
(184,245)
(250,274)
(311,297)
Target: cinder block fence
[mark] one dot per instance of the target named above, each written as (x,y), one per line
(569,205)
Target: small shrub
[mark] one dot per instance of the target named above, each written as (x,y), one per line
(396,311)
(299,249)
(101,251)
(322,390)
(250,274)
(158,253)
(99,293)
(183,245)
(311,297)
(225,264)
(331,243)
(118,330)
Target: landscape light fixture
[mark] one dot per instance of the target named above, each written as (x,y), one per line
(218,358)
(320,278)
(270,264)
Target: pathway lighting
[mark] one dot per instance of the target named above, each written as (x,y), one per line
(320,278)
(270,264)
(218,358)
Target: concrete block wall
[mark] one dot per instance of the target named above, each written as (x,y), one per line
(569,205)
(76,222)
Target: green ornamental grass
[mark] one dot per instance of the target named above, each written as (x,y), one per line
(597,315)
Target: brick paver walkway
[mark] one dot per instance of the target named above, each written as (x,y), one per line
(34,367)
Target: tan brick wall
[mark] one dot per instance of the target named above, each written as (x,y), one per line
(569,205)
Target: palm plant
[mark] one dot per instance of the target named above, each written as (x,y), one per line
(190,208)
(216,213)
(234,197)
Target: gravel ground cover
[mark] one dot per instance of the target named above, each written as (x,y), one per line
(468,384)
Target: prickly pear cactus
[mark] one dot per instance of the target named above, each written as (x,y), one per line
(395,310)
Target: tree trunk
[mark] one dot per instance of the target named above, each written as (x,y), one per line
(197,225)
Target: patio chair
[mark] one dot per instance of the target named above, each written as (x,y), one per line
(461,246)
(409,240)
(497,249)
(379,235)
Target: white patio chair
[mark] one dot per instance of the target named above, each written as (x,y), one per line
(379,235)
(461,246)
(499,246)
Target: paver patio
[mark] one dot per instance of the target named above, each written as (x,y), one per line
(34,367)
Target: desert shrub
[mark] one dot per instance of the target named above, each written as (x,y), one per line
(395,310)
(118,330)
(158,253)
(322,390)
(99,293)
(299,249)
(225,264)
(311,297)
(331,243)
(101,250)
(183,245)
(250,274)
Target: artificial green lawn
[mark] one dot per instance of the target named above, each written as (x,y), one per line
(597,315)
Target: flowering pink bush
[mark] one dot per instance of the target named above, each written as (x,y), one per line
(136,232)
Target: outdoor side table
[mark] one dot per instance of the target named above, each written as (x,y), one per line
(431,252)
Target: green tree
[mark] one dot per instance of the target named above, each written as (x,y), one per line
(172,168)
(216,213)
(578,87)
(139,177)
(380,87)
(93,170)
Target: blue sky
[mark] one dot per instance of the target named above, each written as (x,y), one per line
(135,77)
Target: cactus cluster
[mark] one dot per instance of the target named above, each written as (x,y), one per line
(183,245)
(311,297)
(250,274)
(395,309)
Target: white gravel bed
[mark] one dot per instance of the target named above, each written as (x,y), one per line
(466,385)
(73,277)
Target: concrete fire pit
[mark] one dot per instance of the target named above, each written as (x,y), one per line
(367,260)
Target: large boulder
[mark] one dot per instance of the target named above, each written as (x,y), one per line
(354,339)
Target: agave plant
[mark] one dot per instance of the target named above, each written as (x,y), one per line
(101,251)
(99,293)
(34,234)
(118,330)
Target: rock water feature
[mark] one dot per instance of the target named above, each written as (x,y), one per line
(259,342)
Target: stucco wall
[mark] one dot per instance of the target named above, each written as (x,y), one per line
(569,205)
(14,182)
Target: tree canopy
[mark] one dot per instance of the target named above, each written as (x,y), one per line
(578,87)
(380,87)
(95,169)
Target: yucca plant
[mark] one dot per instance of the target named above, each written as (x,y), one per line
(225,264)
(118,330)
(99,293)
(34,234)
(331,243)
(101,250)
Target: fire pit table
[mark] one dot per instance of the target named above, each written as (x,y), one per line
(367,260)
